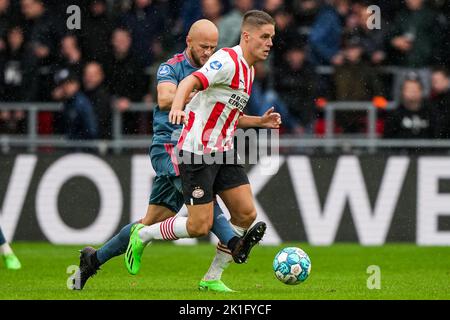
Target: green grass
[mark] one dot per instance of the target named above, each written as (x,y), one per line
(173,272)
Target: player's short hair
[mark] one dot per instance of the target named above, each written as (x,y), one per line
(256,18)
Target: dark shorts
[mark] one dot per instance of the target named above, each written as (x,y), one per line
(163,158)
(166,189)
(167,192)
(202,181)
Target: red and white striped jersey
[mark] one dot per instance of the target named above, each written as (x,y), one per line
(213,113)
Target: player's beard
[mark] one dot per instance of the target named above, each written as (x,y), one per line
(196,59)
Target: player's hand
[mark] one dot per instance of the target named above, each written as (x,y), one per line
(338,59)
(177,117)
(402,43)
(123,104)
(271,119)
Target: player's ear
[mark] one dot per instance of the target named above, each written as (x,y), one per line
(188,41)
(245,35)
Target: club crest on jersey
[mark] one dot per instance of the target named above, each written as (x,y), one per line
(198,193)
(215,65)
(164,70)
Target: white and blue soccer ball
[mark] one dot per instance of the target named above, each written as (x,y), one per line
(292,265)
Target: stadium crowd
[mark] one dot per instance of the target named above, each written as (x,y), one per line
(112,60)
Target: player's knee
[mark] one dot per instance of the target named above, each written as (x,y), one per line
(245,218)
(198,231)
(199,227)
(249,218)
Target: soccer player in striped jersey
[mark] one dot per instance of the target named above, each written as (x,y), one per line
(212,115)
(9,258)
(166,198)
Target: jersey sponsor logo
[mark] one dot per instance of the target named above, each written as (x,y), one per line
(198,193)
(238,102)
(215,65)
(164,70)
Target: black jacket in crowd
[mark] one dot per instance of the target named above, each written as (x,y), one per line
(402,123)
(441,115)
(101,102)
(125,77)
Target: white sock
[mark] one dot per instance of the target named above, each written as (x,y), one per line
(223,257)
(173,228)
(238,230)
(221,261)
(5,249)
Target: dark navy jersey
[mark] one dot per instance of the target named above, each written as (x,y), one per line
(174,70)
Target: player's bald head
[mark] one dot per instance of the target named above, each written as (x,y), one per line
(203,29)
(202,41)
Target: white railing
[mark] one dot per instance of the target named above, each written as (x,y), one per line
(330,142)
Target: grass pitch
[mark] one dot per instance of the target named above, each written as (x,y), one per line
(173,272)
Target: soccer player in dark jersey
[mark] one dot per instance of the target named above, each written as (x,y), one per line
(166,198)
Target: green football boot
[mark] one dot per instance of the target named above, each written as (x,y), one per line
(135,250)
(213,285)
(12,262)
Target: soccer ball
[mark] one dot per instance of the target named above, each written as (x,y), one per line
(291,265)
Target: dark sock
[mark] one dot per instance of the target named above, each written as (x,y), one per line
(115,246)
(232,243)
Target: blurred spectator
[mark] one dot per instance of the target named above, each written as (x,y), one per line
(305,12)
(125,77)
(80,122)
(411,120)
(41,36)
(415,34)
(12,66)
(414,39)
(70,56)
(212,10)
(190,12)
(389,9)
(296,83)
(11,81)
(372,40)
(443,52)
(229,33)
(12,122)
(4,22)
(95,89)
(271,6)
(325,36)
(146,26)
(96,31)
(355,80)
(285,35)
(440,103)
(264,97)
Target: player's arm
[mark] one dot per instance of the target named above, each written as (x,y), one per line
(166,93)
(185,88)
(269,120)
